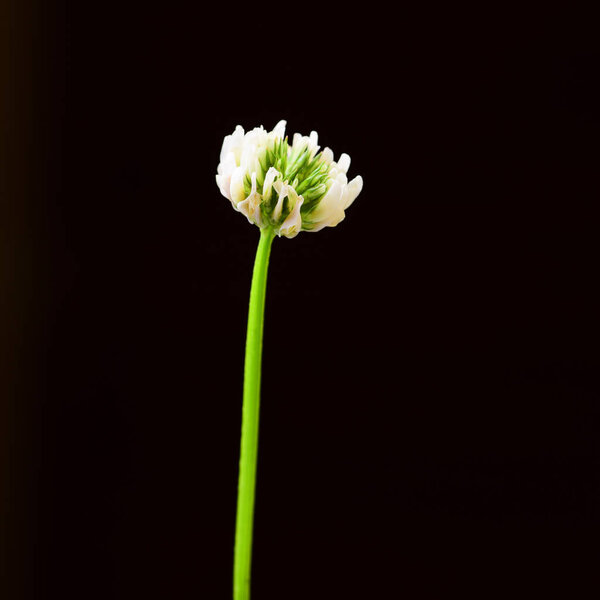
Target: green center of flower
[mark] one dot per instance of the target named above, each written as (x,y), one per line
(299,166)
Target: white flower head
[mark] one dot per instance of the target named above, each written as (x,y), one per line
(289,188)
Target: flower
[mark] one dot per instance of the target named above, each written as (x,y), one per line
(289,188)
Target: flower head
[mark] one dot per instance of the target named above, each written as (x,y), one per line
(286,187)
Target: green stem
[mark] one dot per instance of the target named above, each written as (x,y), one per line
(250,411)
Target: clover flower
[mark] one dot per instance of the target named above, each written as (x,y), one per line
(282,187)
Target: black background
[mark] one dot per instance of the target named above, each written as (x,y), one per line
(429,418)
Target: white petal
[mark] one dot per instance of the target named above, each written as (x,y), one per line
(233,143)
(312,143)
(352,190)
(244,209)
(279,129)
(330,210)
(225,192)
(327,155)
(236,187)
(268,182)
(248,155)
(344,163)
(224,183)
(225,171)
(339,176)
(282,189)
(292,226)
(227,165)
(225,147)
(251,205)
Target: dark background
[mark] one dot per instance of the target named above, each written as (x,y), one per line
(429,419)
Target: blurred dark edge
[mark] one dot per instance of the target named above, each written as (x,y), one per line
(30,58)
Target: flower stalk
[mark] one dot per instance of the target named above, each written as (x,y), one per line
(283,188)
(250,418)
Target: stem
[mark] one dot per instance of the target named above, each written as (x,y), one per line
(250,412)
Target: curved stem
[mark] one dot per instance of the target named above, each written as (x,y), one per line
(250,412)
